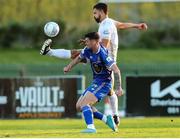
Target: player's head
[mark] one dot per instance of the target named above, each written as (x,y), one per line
(92,39)
(100,10)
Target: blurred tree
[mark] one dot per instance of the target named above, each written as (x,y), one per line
(74,13)
(75,17)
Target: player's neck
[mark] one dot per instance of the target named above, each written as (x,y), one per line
(104,17)
(96,49)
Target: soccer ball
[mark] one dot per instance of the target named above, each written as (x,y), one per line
(51,29)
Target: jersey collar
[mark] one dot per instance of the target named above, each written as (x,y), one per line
(104,20)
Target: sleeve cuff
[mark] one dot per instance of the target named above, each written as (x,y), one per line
(112,64)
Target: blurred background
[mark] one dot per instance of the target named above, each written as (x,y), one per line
(155,52)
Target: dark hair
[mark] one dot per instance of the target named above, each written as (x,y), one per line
(92,36)
(101,6)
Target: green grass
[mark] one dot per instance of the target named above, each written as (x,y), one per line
(125,56)
(130,127)
(145,56)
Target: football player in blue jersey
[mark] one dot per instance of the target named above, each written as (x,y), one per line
(102,66)
(108,37)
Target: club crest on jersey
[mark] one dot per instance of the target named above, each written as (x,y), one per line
(97,68)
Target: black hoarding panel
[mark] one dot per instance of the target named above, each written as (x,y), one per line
(7,103)
(38,97)
(153,96)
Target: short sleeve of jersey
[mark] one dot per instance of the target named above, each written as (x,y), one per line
(83,53)
(106,31)
(107,60)
(114,22)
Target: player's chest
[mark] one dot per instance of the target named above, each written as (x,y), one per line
(94,58)
(96,63)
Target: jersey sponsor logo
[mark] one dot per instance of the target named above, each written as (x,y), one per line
(106,32)
(173,90)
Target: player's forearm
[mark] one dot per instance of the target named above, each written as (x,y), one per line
(74,62)
(117,76)
(126,25)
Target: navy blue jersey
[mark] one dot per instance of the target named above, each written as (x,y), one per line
(100,63)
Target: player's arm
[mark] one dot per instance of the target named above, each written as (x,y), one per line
(117,78)
(106,36)
(72,64)
(105,42)
(117,74)
(122,25)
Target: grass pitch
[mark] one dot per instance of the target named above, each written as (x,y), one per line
(130,56)
(70,128)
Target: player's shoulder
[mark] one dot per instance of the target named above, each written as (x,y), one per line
(103,50)
(85,52)
(86,49)
(108,21)
(107,25)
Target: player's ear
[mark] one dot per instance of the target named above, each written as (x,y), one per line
(101,12)
(95,40)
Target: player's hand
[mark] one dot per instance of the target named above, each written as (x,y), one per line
(67,69)
(142,26)
(119,92)
(82,41)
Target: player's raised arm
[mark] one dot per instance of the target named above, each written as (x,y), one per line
(140,26)
(72,64)
(117,77)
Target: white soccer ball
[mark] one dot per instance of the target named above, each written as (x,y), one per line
(51,29)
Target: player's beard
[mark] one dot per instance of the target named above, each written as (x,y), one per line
(98,20)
